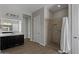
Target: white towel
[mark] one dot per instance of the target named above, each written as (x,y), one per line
(65,36)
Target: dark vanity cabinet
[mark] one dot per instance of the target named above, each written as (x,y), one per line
(11,41)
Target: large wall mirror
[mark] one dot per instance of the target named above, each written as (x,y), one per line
(10,25)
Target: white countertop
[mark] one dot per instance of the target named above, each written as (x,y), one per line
(10,34)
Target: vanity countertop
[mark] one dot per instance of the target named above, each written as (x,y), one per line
(10,34)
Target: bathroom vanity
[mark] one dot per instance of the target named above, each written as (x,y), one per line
(11,40)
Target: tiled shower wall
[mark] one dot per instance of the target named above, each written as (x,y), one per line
(55,24)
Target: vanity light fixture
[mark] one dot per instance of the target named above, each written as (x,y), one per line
(11,15)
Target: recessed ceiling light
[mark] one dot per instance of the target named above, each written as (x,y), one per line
(59,6)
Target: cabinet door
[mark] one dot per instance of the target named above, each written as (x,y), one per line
(11,41)
(7,42)
(19,39)
(4,43)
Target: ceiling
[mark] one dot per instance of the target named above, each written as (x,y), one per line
(55,7)
(28,8)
